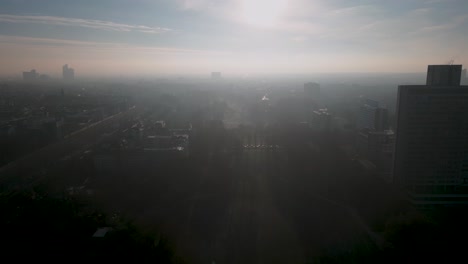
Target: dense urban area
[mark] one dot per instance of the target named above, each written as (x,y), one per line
(214,169)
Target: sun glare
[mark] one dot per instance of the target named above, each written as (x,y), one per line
(262,13)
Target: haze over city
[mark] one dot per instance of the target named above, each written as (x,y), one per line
(238,37)
(234,132)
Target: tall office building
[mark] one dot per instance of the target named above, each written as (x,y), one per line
(431,156)
(68,73)
(447,75)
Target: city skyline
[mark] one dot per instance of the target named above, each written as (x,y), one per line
(237,37)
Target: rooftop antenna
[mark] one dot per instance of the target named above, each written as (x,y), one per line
(451,61)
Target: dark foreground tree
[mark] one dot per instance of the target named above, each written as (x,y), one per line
(35,227)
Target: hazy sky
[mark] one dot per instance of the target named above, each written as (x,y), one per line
(137,37)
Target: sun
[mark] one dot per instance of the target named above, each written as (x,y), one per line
(262,13)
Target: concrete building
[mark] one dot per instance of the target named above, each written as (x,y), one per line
(321,120)
(378,148)
(155,150)
(444,75)
(431,156)
(372,116)
(30,75)
(68,73)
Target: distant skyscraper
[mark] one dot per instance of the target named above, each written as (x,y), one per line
(216,75)
(30,75)
(372,116)
(431,156)
(68,73)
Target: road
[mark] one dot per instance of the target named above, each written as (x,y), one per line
(26,170)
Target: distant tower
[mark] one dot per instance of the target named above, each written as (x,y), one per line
(68,73)
(30,75)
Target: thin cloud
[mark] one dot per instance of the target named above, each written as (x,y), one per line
(193,4)
(355,10)
(51,43)
(435,1)
(457,21)
(204,5)
(78,22)
(421,11)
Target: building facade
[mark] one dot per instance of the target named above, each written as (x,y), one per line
(431,158)
(378,148)
(68,73)
(30,75)
(372,116)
